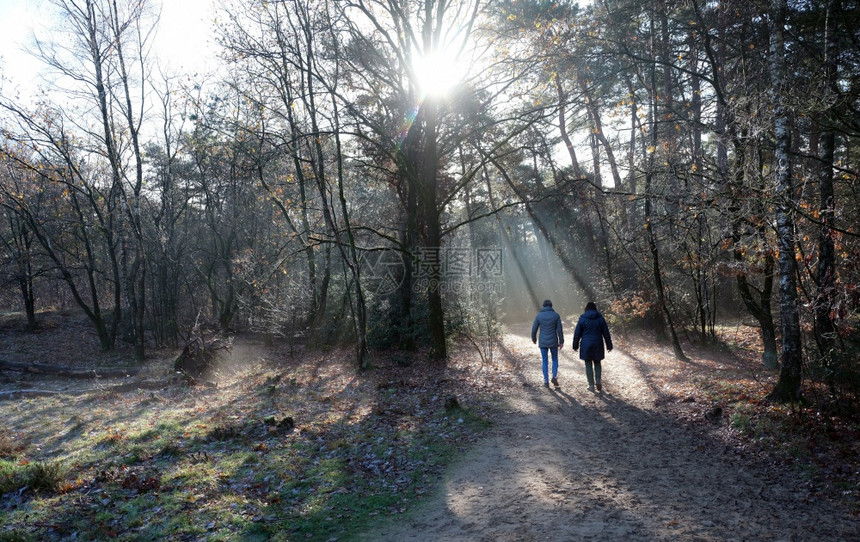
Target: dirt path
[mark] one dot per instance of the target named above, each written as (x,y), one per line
(569,464)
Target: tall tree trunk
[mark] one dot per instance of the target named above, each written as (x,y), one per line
(651,235)
(726,130)
(433,250)
(706,304)
(410,234)
(562,127)
(635,126)
(137,275)
(600,139)
(318,323)
(759,306)
(658,275)
(409,171)
(26,280)
(21,247)
(287,101)
(429,188)
(352,260)
(825,330)
(348,249)
(788,388)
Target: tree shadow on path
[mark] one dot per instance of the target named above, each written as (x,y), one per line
(568,464)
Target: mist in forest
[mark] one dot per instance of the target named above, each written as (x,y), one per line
(531,272)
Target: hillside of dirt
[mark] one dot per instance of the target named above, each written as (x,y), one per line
(291,444)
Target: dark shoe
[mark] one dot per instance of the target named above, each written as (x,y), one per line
(546,384)
(599,387)
(554,382)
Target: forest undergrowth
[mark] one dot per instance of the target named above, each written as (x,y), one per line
(723,392)
(290,447)
(302,447)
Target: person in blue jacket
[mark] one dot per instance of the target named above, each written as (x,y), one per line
(588,337)
(551,339)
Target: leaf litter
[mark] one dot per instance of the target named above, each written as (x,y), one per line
(300,445)
(305,448)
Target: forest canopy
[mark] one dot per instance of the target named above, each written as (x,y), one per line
(393,174)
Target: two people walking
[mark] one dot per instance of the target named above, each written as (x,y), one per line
(589,336)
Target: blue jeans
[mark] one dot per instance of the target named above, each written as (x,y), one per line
(543,355)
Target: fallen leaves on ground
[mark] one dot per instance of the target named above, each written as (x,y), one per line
(306,445)
(723,392)
(303,443)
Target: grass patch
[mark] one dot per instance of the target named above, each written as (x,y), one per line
(202,463)
(38,477)
(742,422)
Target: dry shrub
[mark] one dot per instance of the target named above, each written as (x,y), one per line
(39,476)
(200,356)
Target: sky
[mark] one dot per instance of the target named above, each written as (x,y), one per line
(17,17)
(183,39)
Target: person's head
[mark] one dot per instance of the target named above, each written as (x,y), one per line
(590,306)
(547,303)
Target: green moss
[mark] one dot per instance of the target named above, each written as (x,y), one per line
(16,536)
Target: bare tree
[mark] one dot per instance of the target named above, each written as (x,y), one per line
(100,56)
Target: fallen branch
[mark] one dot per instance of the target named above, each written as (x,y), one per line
(44,368)
(18,394)
(119,388)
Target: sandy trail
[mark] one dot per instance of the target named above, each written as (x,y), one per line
(569,464)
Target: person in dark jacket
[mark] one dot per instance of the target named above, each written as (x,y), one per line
(588,337)
(551,339)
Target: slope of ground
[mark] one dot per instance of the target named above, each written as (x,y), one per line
(291,444)
(668,451)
